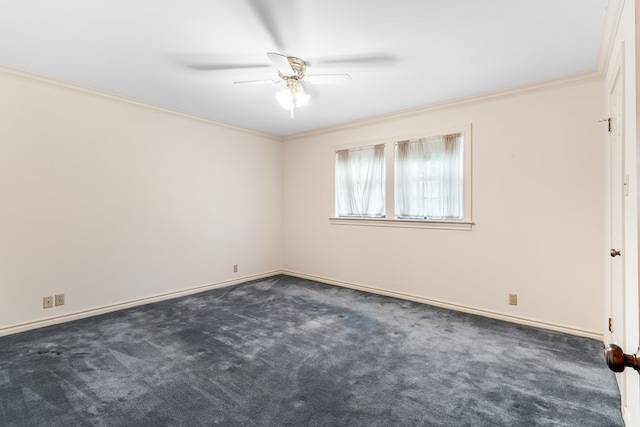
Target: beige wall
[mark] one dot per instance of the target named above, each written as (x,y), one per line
(537,205)
(110,202)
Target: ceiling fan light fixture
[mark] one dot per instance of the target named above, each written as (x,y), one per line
(292,96)
(286,99)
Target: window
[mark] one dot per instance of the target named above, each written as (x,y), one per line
(422,183)
(429,175)
(360,181)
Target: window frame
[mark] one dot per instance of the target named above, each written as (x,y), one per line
(390,219)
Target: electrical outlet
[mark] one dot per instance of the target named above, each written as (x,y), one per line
(513,299)
(47,302)
(235,268)
(59,299)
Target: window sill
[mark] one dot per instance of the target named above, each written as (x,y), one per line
(404,223)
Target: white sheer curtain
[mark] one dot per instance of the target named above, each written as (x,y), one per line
(360,178)
(429,176)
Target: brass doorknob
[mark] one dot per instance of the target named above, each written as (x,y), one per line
(614,253)
(617,360)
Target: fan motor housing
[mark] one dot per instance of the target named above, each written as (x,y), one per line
(299,67)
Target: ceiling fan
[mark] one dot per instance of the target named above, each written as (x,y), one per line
(292,71)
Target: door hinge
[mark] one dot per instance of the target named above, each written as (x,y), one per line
(610,325)
(608,120)
(626,185)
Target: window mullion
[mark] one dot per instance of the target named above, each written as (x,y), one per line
(389,150)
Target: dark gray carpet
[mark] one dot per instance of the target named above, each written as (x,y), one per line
(290,352)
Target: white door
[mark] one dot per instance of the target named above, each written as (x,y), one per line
(617,195)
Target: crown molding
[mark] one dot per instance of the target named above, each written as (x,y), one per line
(52,81)
(571,80)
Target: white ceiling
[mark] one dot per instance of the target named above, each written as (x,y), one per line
(401,54)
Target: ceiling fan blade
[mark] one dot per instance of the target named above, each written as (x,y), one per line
(281,62)
(256,82)
(311,90)
(322,79)
(266,16)
(219,67)
(355,60)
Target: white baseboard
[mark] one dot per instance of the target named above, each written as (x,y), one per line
(134,303)
(169,295)
(486,313)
